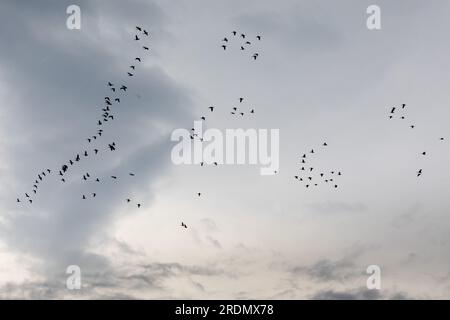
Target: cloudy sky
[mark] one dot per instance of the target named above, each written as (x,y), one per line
(321,75)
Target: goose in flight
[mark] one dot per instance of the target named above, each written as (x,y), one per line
(183,225)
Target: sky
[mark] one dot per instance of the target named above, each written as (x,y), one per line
(321,75)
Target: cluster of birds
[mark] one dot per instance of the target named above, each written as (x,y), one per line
(400,112)
(311,176)
(234,111)
(243,42)
(107,114)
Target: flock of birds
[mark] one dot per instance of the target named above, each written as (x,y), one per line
(234,111)
(400,112)
(107,114)
(311,176)
(244,42)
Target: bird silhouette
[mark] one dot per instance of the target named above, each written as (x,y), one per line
(136,38)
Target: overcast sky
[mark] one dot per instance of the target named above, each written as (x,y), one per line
(321,75)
